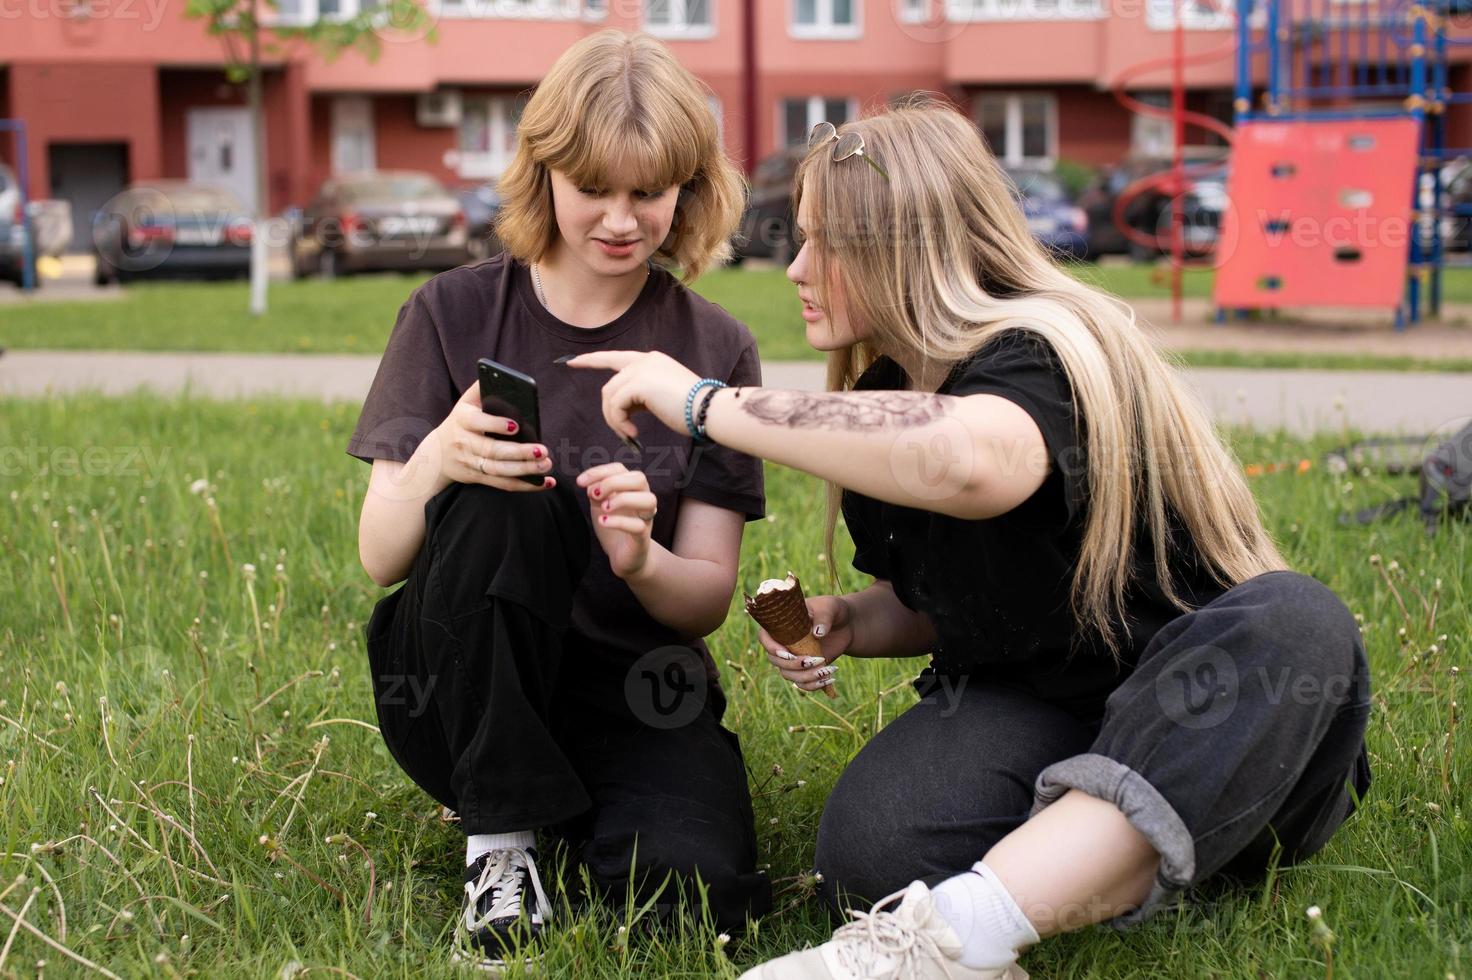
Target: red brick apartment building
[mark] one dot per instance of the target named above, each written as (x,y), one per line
(120,90)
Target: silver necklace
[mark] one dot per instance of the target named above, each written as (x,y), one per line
(542,294)
(537,281)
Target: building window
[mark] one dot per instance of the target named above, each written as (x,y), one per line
(1203,15)
(825,19)
(508,9)
(797,117)
(914,11)
(488,134)
(682,19)
(968,11)
(1021,129)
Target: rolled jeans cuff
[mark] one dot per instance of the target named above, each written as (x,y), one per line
(1147,811)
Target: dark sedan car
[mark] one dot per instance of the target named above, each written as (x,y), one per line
(481,203)
(766,226)
(380,220)
(1147,212)
(171,228)
(1054,220)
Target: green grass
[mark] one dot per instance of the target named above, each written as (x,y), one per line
(355,315)
(148,686)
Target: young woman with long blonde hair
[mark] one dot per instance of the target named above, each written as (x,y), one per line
(1109,713)
(542,667)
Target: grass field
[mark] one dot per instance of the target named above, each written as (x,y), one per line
(191,785)
(355,315)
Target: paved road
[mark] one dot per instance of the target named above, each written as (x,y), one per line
(1299,401)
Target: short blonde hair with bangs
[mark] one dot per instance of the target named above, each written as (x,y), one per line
(621,105)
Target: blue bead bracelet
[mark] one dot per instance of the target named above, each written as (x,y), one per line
(697,432)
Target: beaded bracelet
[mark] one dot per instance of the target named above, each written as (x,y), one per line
(698,434)
(704,411)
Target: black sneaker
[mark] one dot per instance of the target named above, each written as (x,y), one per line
(498,923)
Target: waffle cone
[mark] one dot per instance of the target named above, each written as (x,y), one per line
(784,615)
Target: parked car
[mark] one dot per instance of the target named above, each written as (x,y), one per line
(481,203)
(1456,206)
(12,230)
(766,226)
(1054,220)
(171,228)
(1148,212)
(380,220)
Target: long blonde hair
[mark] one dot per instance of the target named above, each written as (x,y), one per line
(620,105)
(937,260)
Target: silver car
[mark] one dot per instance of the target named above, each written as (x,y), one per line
(380,220)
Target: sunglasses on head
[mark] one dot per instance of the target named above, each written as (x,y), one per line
(850,144)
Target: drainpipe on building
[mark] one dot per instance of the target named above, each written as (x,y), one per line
(748,81)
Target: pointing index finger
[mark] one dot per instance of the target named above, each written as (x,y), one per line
(611,360)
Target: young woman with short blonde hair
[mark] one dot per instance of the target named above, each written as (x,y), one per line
(542,666)
(1050,516)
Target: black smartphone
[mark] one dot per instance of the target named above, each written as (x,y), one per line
(510,394)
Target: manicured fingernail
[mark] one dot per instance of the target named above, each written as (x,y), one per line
(785,655)
(605,504)
(536,452)
(511,426)
(827,671)
(597,491)
(826,682)
(813,661)
(565,358)
(603,518)
(819,630)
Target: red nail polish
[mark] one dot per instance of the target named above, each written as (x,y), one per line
(605,505)
(603,518)
(597,491)
(511,428)
(537,452)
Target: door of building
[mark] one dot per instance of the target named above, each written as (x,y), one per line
(87,176)
(222,151)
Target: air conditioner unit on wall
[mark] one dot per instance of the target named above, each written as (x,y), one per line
(438,108)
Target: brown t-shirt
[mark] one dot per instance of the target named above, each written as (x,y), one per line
(490,309)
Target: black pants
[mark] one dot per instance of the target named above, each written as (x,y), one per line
(501,712)
(1241,728)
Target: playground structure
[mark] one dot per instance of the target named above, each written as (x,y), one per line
(1341,122)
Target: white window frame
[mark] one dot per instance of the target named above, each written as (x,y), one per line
(815,115)
(1160,15)
(980,11)
(914,11)
(489,164)
(679,29)
(1010,155)
(556,10)
(825,29)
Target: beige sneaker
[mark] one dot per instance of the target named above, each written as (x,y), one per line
(913,942)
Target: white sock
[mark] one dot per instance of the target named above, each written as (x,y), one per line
(478,844)
(991,927)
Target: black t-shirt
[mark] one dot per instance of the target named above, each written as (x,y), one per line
(998,590)
(490,309)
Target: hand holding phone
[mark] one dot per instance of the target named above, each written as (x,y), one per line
(507,393)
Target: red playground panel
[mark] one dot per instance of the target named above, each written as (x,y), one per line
(1320,213)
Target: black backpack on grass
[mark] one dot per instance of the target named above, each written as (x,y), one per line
(1445,475)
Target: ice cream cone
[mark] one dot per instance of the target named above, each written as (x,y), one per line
(780,608)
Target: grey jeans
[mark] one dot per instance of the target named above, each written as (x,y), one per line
(1240,730)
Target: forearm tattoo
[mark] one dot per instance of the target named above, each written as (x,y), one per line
(867,411)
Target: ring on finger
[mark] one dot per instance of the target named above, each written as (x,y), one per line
(480,464)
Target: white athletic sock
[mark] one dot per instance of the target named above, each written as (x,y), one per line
(992,929)
(478,844)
